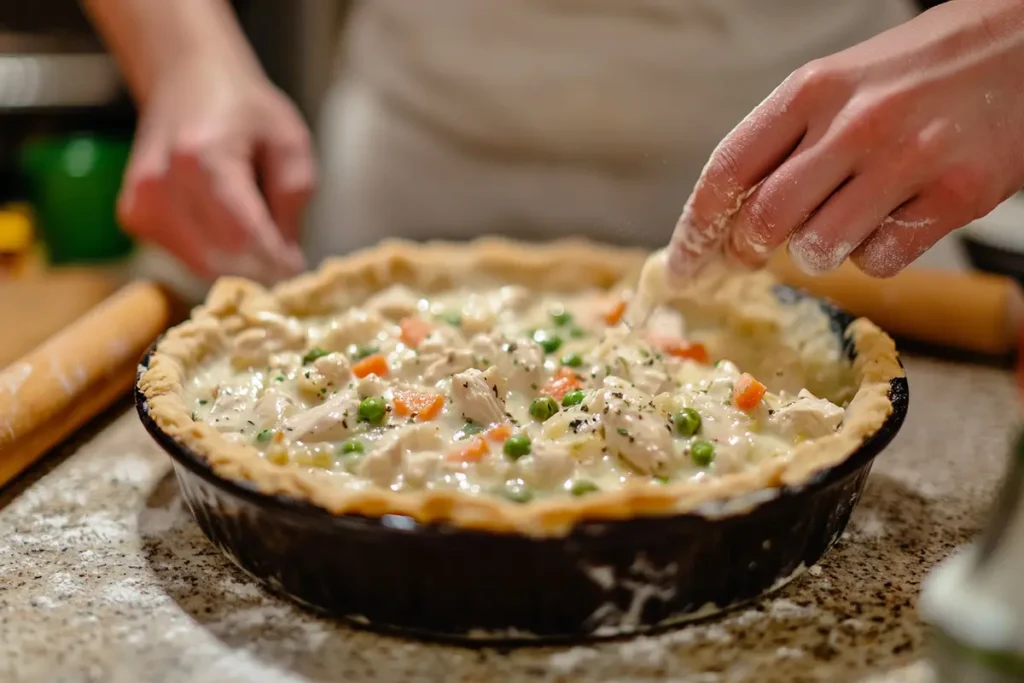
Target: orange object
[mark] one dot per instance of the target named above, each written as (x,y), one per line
(474,451)
(53,390)
(564,381)
(680,348)
(371,365)
(414,330)
(423,406)
(747,392)
(970,310)
(614,314)
(499,432)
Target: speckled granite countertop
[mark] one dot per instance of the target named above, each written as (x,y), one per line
(105,577)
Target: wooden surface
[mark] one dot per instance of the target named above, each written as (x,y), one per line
(36,307)
(61,384)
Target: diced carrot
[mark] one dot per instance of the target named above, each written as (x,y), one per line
(614,314)
(564,381)
(414,330)
(474,451)
(499,432)
(747,392)
(680,348)
(375,364)
(423,405)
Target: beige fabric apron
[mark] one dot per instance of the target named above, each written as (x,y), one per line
(543,118)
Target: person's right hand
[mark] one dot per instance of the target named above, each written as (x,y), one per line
(220,172)
(873,153)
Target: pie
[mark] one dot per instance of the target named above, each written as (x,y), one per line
(495,385)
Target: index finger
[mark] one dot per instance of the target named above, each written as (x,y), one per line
(750,152)
(236,194)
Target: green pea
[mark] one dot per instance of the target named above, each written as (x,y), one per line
(544,407)
(263,436)
(687,422)
(702,453)
(548,341)
(313,354)
(561,318)
(577,332)
(516,446)
(573,398)
(516,493)
(582,487)
(572,360)
(453,318)
(352,446)
(373,410)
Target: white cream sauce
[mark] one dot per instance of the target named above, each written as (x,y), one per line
(293,388)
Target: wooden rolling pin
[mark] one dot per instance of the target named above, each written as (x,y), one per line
(964,310)
(75,374)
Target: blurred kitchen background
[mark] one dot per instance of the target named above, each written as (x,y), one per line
(67,122)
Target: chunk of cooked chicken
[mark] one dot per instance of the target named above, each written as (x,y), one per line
(231,405)
(480,396)
(446,365)
(420,437)
(548,466)
(442,354)
(383,463)
(395,302)
(421,468)
(478,314)
(371,385)
(520,362)
(639,365)
(272,408)
(807,417)
(332,420)
(634,429)
(327,373)
(355,326)
(272,333)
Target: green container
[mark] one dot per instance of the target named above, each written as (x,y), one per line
(74,182)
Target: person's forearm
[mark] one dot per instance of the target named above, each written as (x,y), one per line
(149,37)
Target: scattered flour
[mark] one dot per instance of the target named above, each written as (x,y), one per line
(903,223)
(869,525)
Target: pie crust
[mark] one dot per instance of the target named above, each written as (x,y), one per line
(746,306)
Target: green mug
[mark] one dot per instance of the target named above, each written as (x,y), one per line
(73,182)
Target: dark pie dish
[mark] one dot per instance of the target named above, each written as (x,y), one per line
(600,576)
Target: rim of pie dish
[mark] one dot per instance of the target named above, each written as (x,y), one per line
(789,345)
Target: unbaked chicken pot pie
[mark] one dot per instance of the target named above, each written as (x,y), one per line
(514,391)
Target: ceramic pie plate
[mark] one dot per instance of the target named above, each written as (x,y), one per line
(603,575)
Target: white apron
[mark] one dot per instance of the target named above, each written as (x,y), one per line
(545,118)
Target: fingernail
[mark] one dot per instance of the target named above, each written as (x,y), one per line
(812,255)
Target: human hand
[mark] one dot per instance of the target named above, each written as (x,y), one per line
(221,170)
(873,153)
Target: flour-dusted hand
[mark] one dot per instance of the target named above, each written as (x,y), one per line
(222,167)
(873,153)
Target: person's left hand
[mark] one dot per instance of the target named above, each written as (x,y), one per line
(873,153)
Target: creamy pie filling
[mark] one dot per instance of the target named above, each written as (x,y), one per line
(497,391)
